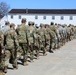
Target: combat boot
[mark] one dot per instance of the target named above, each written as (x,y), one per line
(44,53)
(5,69)
(37,56)
(2,73)
(51,51)
(25,63)
(31,60)
(15,67)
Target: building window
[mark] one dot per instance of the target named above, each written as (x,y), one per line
(71,17)
(11,16)
(53,17)
(36,17)
(44,17)
(19,16)
(62,17)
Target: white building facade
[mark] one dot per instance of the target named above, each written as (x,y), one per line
(45,16)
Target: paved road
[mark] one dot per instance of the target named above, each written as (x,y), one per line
(61,62)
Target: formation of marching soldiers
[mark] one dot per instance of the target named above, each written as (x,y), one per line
(29,40)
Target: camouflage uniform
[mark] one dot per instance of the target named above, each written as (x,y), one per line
(75,32)
(58,38)
(72,32)
(30,35)
(64,33)
(48,38)
(6,27)
(36,42)
(22,38)
(1,53)
(61,34)
(11,46)
(54,32)
(69,33)
(42,38)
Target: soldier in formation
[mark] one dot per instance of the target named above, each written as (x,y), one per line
(11,46)
(30,41)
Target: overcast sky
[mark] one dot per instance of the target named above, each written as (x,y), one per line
(41,4)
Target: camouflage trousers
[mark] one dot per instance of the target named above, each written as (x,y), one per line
(36,48)
(53,42)
(11,56)
(57,43)
(2,73)
(75,36)
(24,51)
(43,46)
(48,45)
(68,37)
(1,62)
(31,50)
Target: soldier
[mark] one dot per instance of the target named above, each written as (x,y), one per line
(30,35)
(48,38)
(1,54)
(6,27)
(36,42)
(57,37)
(75,32)
(64,33)
(22,38)
(42,38)
(11,46)
(61,34)
(69,33)
(53,29)
(72,32)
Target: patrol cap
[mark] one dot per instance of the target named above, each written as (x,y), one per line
(7,22)
(63,25)
(52,23)
(55,23)
(33,23)
(59,25)
(69,24)
(46,25)
(23,19)
(41,24)
(30,23)
(12,24)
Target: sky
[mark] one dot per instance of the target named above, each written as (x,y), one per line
(41,4)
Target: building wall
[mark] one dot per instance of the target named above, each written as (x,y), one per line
(2,21)
(31,17)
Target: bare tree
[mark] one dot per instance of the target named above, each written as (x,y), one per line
(4,8)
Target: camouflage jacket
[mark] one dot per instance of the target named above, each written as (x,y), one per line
(22,33)
(9,37)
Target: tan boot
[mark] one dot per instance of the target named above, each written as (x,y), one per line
(37,58)
(44,54)
(25,63)
(15,67)
(5,69)
(2,73)
(31,61)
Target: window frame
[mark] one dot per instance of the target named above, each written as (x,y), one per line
(36,17)
(44,17)
(11,16)
(19,16)
(71,17)
(62,17)
(53,17)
